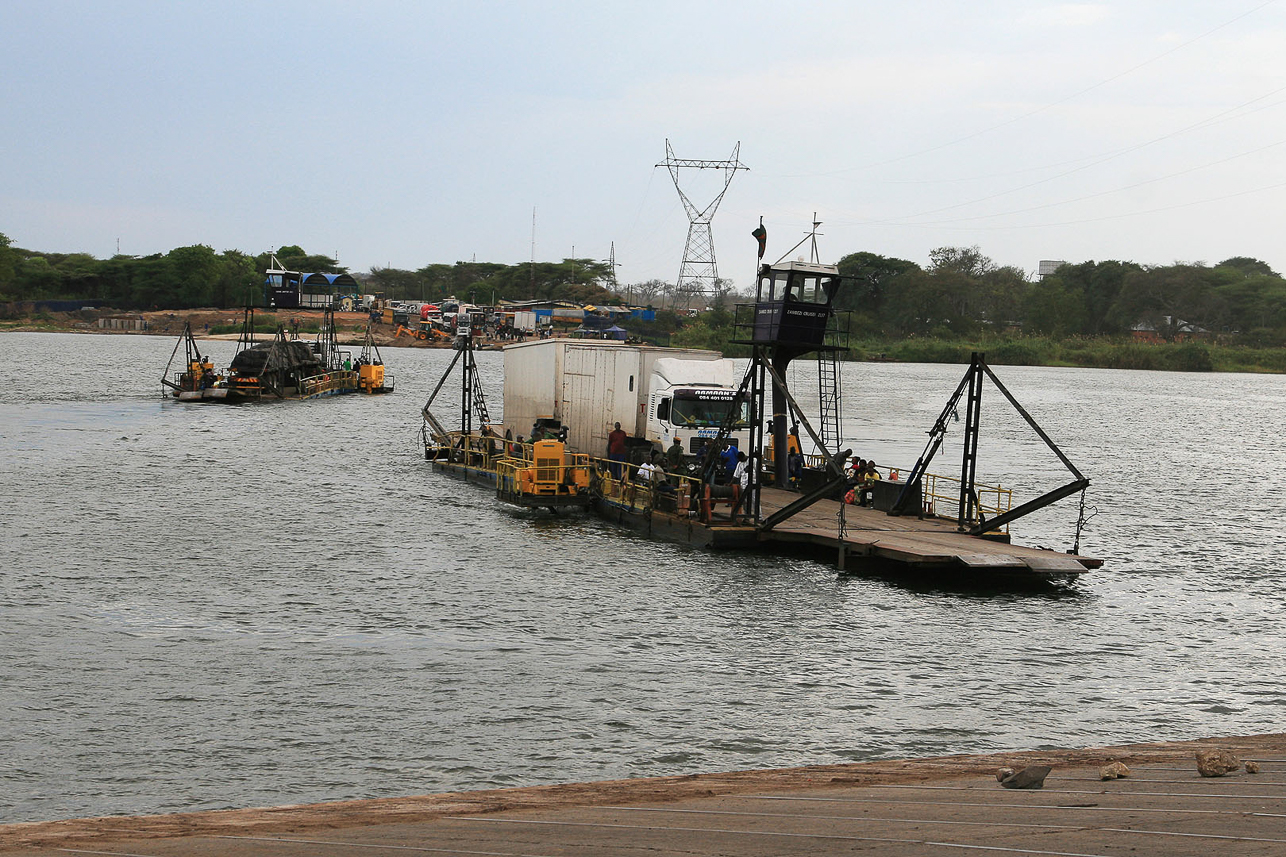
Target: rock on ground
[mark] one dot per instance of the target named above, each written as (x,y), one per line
(1216,763)
(1027,778)
(1113,770)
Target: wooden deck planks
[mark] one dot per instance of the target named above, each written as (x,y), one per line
(912,540)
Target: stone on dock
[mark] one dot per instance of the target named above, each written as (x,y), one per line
(1216,763)
(1113,771)
(1027,778)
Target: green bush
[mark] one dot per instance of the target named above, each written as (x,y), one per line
(929,351)
(1018,353)
(1189,357)
(1133,356)
(1237,359)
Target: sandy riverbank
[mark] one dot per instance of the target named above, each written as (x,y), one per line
(351,325)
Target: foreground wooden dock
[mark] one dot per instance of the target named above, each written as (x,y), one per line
(898,807)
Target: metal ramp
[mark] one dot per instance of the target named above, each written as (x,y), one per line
(436,429)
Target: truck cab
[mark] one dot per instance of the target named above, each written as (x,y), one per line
(695,414)
(692,399)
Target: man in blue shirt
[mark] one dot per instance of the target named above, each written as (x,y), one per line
(729,458)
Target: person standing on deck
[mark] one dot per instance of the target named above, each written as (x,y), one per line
(741,472)
(866,489)
(674,455)
(729,458)
(616,450)
(794,457)
(792,440)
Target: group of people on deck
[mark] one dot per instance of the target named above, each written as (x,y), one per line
(862,477)
(736,466)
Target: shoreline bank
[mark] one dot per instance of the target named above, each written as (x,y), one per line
(350,815)
(350,326)
(1191,357)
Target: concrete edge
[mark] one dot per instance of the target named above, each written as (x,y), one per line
(301,818)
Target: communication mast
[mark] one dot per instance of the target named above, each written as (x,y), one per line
(698,271)
(614,287)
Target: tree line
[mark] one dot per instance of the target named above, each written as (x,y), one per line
(183,278)
(960,293)
(578,280)
(963,293)
(197,276)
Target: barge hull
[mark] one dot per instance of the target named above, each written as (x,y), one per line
(871,537)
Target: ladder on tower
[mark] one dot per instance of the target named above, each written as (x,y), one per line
(829,397)
(479,401)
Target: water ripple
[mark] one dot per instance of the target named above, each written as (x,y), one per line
(211,607)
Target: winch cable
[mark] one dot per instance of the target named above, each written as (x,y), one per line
(1082,520)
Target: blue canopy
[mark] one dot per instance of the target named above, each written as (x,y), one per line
(322,279)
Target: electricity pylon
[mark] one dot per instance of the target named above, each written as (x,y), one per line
(699,271)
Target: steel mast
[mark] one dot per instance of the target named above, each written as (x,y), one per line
(698,271)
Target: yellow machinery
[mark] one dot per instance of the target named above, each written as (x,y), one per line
(197,369)
(549,473)
(370,377)
(198,380)
(552,477)
(424,334)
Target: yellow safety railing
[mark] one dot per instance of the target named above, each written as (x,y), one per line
(940,497)
(535,474)
(472,449)
(340,379)
(675,493)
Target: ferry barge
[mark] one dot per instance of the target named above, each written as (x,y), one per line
(281,368)
(916,522)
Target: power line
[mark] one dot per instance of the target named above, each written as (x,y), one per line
(1106,192)
(1006,123)
(1203,123)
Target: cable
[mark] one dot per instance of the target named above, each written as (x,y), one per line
(1042,109)
(1088,196)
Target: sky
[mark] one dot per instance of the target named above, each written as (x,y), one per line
(408,133)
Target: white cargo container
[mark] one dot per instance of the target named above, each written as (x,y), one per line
(588,386)
(525,321)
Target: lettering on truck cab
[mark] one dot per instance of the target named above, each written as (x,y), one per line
(692,413)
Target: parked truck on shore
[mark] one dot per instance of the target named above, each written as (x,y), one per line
(588,386)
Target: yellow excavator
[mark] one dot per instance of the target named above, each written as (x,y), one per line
(424,334)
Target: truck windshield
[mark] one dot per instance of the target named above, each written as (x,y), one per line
(706,408)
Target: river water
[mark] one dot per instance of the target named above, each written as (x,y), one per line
(205,606)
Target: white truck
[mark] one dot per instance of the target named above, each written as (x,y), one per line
(653,392)
(525,321)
